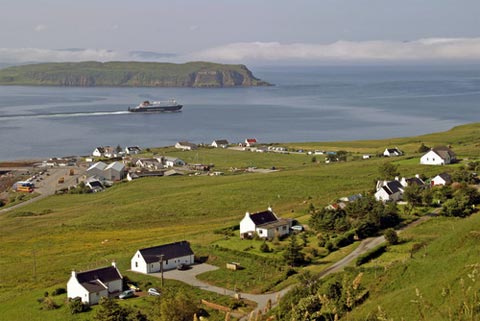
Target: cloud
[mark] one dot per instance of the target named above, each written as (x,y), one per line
(39,28)
(22,55)
(363,51)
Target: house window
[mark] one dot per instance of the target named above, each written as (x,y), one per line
(284,228)
(136,264)
(166,262)
(260,231)
(138,255)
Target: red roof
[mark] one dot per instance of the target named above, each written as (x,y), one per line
(251,140)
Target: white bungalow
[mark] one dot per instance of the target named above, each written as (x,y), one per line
(169,161)
(148,260)
(264,224)
(185,146)
(132,150)
(149,163)
(389,191)
(91,285)
(220,143)
(441,179)
(392,152)
(438,156)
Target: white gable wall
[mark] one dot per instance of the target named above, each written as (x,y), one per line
(138,263)
(247,225)
(432,158)
(75,289)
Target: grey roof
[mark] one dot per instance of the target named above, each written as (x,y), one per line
(264,217)
(221,142)
(414,181)
(99,165)
(118,166)
(192,145)
(444,152)
(446,177)
(393,187)
(169,251)
(89,279)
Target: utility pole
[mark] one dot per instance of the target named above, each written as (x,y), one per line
(34,265)
(161,268)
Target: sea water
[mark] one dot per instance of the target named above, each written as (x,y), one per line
(325,103)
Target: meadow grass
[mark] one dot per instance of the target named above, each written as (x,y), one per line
(90,230)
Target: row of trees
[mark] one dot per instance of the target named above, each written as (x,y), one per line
(366,216)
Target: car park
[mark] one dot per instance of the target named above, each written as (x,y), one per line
(153,291)
(127,294)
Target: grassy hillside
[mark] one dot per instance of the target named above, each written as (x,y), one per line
(90,230)
(130,74)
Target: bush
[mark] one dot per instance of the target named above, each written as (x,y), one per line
(372,254)
(344,239)
(59,291)
(391,236)
(264,248)
(77,306)
(49,304)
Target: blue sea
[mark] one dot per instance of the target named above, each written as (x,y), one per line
(327,103)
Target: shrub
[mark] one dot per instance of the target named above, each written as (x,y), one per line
(391,236)
(344,239)
(59,291)
(264,248)
(49,304)
(77,306)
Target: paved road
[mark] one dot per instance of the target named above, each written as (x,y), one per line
(189,276)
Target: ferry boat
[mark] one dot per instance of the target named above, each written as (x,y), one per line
(156,106)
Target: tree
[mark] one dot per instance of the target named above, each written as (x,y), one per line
(118,149)
(388,171)
(427,196)
(178,307)
(413,195)
(423,149)
(77,306)
(391,236)
(109,310)
(293,255)
(264,247)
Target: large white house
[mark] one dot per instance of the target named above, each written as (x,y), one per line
(132,150)
(264,224)
(148,260)
(91,285)
(438,156)
(186,146)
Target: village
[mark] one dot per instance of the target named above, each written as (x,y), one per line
(107,166)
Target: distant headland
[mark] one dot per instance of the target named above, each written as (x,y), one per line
(130,74)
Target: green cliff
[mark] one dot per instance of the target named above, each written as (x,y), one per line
(130,74)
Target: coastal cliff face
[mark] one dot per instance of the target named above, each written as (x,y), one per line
(131,74)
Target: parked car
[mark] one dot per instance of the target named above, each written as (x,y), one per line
(182,267)
(153,291)
(127,294)
(297,228)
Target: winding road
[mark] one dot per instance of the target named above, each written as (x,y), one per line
(189,276)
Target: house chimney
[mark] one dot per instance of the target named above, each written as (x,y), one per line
(417,176)
(270,209)
(114,264)
(247,213)
(74,274)
(396,178)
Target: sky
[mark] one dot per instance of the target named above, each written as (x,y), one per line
(269,31)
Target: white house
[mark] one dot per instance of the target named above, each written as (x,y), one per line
(169,161)
(185,146)
(250,142)
(91,285)
(389,191)
(441,179)
(148,260)
(99,152)
(438,156)
(265,224)
(149,163)
(392,152)
(412,181)
(132,150)
(220,143)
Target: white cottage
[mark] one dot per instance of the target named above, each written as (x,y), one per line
(441,179)
(220,143)
(169,161)
(171,255)
(186,146)
(264,224)
(392,152)
(132,150)
(91,285)
(389,191)
(438,156)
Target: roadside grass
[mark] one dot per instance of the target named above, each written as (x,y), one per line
(446,254)
(90,230)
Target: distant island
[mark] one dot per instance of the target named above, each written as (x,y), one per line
(130,74)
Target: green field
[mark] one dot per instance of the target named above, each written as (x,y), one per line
(91,230)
